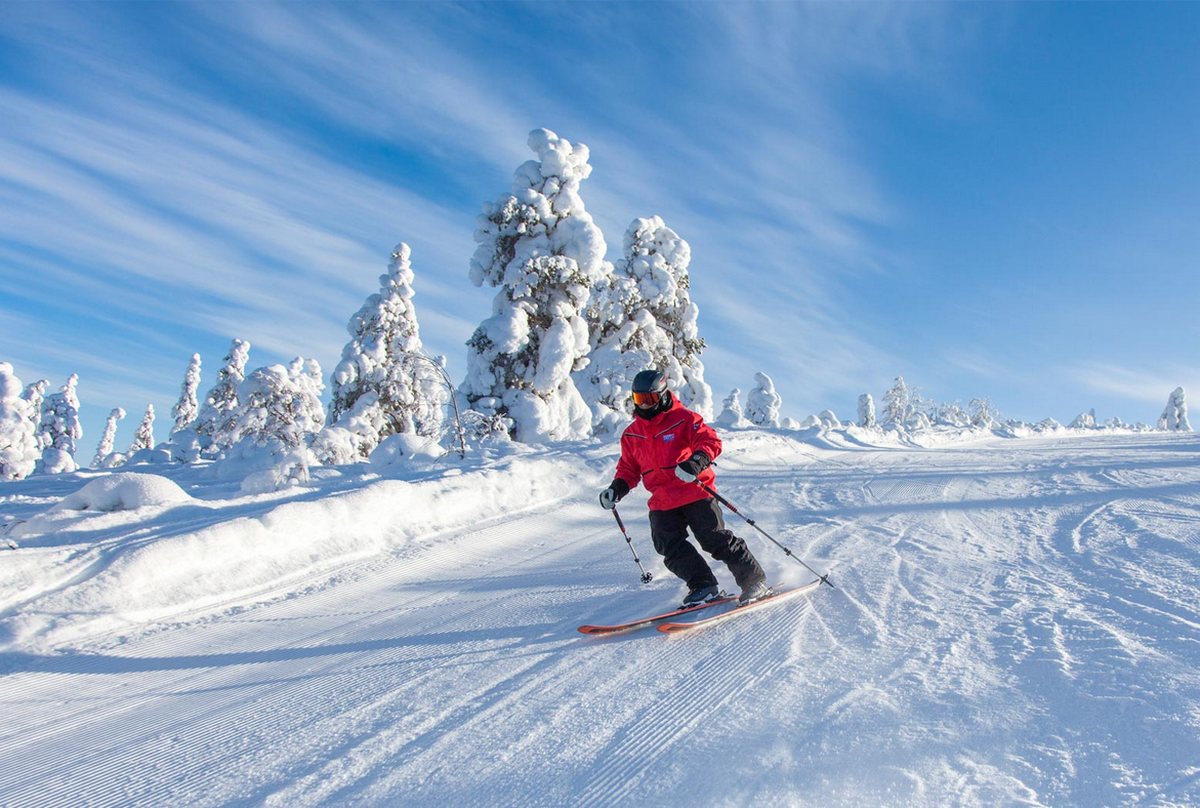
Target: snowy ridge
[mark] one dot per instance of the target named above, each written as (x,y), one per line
(200,557)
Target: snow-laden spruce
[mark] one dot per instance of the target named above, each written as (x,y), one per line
(384,384)
(643,317)
(34,394)
(763,402)
(280,408)
(18,437)
(731,415)
(897,406)
(104,450)
(188,406)
(866,411)
(216,425)
(144,437)
(539,246)
(60,428)
(1174,417)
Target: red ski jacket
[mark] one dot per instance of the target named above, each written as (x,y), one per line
(651,448)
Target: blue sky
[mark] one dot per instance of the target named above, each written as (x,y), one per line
(990,199)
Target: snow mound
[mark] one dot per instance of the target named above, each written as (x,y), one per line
(402,449)
(124,491)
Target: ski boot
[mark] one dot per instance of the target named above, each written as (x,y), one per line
(701,594)
(755,590)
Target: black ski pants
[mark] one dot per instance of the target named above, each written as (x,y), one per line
(669,529)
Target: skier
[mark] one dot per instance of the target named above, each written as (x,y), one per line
(670,449)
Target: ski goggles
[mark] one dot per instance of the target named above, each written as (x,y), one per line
(647,399)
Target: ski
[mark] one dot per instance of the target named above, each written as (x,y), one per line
(649,621)
(672,628)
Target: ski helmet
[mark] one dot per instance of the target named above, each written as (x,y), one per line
(649,386)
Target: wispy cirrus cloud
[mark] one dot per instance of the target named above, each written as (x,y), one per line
(1136,384)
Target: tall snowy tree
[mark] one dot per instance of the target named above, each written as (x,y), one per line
(187,408)
(18,434)
(216,424)
(105,448)
(642,317)
(897,406)
(1174,417)
(144,438)
(59,428)
(731,415)
(541,249)
(385,385)
(763,403)
(866,411)
(280,408)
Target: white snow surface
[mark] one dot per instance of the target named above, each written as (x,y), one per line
(1014,622)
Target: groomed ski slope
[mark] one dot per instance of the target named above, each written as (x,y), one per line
(1015,622)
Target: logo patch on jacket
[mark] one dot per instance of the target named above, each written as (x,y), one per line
(668,437)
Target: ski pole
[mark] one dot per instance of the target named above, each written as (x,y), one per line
(749,521)
(646,577)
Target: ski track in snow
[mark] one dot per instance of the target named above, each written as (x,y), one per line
(1013,623)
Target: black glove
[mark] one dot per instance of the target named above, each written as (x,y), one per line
(690,469)
(610,496)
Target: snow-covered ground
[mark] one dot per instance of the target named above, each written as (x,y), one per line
(1014,622)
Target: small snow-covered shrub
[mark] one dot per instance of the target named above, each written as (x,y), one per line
(123,491)
(337,446)
(56,461)
(763,402)
(287,471)
(404,448)
(731,415)
(149,457)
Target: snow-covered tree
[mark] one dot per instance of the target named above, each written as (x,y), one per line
(731,415)
(866,411)
(280,408)
(763,403)
(541,249)
(919,421)
(105,448)
(385,385)
(34,394)
(643,317)
(984,414)
(18,434)
(59,428)
(1174,417)
(897,406)
(216,425)
(144,438)
(187,408)
(949,414)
